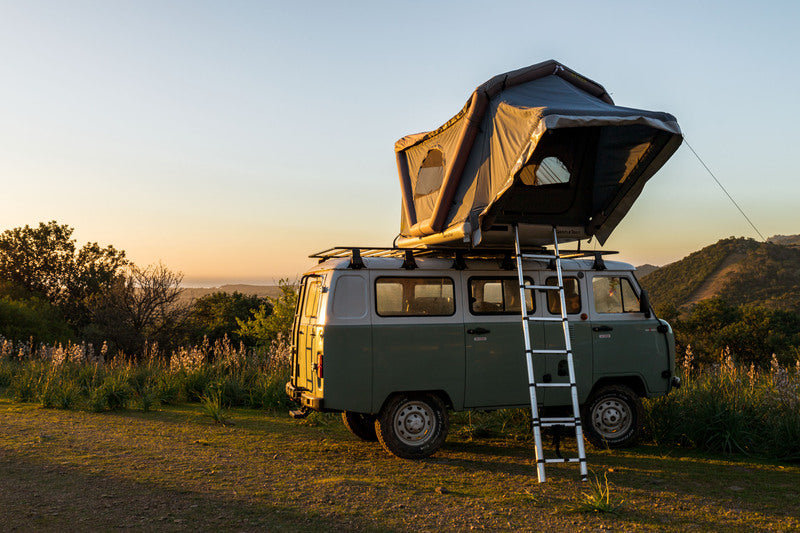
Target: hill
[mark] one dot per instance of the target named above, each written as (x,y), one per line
(737,270)
(646,269)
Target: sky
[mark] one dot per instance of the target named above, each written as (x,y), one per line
(230,140)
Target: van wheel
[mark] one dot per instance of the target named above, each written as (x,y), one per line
(412,426)
(360,425)
(613,417)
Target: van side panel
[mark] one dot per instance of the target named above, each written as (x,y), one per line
(627,344)
(420,355)
(581,340)
(633,348)
(347,368)
(497,371)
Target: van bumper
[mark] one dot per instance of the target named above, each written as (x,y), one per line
(303,397)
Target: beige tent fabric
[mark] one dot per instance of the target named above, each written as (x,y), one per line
(465,183)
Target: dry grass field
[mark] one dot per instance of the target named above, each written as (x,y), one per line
(175,470)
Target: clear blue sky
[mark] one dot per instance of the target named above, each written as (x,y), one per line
(231,139)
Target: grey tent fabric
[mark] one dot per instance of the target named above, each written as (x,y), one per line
(538,147)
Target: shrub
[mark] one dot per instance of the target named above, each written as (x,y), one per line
(730,408)
(115,392)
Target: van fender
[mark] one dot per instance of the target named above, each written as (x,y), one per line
(634,382)
(438,392)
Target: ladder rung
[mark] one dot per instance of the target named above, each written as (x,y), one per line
(544,352)
(542,287)
(555,419)
(564,385)
(537,256)
(565,460)
(545,319)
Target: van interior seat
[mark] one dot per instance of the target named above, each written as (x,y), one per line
(431,305)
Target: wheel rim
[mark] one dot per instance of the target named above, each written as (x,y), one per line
(414,423)
(611,418)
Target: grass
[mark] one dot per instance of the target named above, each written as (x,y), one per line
(598,499)
(212,408)
(730,408)
(173,468)
(72,377)
(727,408)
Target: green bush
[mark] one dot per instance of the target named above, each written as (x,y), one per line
(32,317)
(732,409)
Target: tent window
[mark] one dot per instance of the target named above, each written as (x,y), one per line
(549,171)
(431,174)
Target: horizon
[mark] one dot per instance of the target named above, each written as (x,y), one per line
(218,283)
(230,142)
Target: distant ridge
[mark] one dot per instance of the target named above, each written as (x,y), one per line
(193,293)
(785,240)
(646,269)
(737,270)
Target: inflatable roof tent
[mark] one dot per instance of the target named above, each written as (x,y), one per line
(538,147)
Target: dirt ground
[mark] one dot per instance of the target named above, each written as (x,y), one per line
(174,470)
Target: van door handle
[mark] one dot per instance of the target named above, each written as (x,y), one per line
(478,331)
(602,328)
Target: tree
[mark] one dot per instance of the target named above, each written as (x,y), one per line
(216,315)
(33,317)
(141,306)
(265,326)
(45,261)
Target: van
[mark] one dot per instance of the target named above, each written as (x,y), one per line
(393,339)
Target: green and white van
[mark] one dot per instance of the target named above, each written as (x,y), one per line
(393,343)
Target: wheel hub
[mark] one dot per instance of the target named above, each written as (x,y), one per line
(611,417)
(414,423)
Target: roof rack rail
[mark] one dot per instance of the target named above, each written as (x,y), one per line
(356,254)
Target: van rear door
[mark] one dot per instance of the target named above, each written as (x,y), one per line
(308,336)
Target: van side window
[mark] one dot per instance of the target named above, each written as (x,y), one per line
(572,296)
(497,296)
(614,295)
(406,296)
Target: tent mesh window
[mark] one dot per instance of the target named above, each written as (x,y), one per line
(550,171)
(431,173)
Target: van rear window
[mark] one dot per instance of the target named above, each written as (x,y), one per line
(414,296)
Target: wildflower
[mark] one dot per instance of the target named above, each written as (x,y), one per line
(687,360)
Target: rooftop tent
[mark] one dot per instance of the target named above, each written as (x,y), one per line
(539,147)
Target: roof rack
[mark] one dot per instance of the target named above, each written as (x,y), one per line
(459,256)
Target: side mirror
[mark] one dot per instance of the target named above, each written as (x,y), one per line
(644,304)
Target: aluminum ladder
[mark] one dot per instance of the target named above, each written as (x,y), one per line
(537,421)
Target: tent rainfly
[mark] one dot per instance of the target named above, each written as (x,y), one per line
(538,147)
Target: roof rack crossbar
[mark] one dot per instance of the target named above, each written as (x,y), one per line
(459,255)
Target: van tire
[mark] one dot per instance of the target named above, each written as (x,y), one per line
(613,416)
(412,426)
(361,425)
